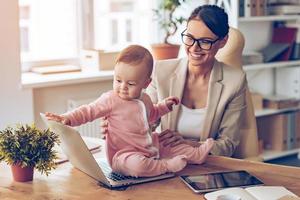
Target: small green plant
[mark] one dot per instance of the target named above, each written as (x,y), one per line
(26,145)
(166,19)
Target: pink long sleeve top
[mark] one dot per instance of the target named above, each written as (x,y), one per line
(128,127)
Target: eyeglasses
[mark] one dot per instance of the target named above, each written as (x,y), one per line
(203,43)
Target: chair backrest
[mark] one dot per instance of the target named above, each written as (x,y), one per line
(231,54)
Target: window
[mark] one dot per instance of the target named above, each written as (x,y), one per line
(56,30)
(118,23)
(48,29)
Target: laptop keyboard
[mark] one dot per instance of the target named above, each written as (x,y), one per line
(113,175)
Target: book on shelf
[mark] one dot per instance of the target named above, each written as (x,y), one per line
(252,57)
(279,102)
(284,9)
(284,35)
(250,8)
(273,50)
(253,193)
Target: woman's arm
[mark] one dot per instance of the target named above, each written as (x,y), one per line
(230,129)
(173,138)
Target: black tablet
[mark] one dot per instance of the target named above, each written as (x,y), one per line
(216,181)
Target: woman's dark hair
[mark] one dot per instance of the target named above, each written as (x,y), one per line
(214,17)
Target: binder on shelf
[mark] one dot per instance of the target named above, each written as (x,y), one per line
(257,100)
(284,35)
(261,6)
(297,142)
(296,52)
(287,81)
(273,131)
(242,8)
(249,8)
(296,47)
(291,131)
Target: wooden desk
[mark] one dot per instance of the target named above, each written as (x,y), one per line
(68,183)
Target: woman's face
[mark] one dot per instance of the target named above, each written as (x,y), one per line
(198,30)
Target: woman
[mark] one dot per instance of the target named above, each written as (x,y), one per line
(212,94)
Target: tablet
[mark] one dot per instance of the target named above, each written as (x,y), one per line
(221,180)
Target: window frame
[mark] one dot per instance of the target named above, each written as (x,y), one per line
(85,36)
(28,64)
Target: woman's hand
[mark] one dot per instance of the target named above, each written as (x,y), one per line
(173,138)
(171,101)
(57,118)
(170,138)
(104,127)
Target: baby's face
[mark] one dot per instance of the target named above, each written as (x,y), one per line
(129,81)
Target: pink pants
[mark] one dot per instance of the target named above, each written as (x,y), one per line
(137,164)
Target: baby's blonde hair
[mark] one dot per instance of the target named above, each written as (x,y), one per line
(135,55)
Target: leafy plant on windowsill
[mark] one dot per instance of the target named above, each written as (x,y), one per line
(166,19)
(28,146)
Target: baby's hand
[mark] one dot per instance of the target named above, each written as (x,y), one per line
(57,118)
(170,101)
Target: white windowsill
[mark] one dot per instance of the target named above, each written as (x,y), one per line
(32,80)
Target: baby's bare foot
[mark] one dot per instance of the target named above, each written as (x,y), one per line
(177,163)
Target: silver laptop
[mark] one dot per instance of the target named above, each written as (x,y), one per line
(80,157)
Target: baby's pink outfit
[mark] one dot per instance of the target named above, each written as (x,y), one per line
(131,148)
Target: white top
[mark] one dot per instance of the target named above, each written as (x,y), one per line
(190,121)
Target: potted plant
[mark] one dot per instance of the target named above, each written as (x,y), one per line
(169,23)
(26,147)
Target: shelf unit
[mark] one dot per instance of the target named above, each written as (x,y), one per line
(270,155)
(271,65)
(266,112)
(261,77)
(269,18)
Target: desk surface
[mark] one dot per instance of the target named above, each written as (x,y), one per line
(67,182)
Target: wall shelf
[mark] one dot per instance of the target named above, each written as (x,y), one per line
(270,18)
(267,112)
(271,154)
(292,63)
(258,32)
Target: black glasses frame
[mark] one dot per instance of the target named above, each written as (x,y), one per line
(199,41)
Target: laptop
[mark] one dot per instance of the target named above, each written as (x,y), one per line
(80,157)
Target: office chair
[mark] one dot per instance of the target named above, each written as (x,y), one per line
(231,54)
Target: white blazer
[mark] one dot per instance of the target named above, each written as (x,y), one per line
(226,107)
